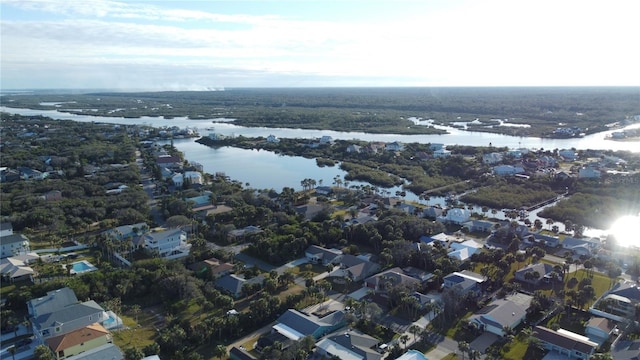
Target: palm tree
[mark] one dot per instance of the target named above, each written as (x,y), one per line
(220,351)
(414,329)
(463,346)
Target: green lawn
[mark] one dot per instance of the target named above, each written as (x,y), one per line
(516,350)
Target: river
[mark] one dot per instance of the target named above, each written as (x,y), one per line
(266,170)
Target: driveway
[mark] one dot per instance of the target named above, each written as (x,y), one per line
(444,346)
(482,342)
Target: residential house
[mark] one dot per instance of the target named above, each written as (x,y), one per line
(326,140)
(463,251)
(547,240)
(394,146)
(52,302)
(599,329)
(441,153)
(324,190)
(31,174)
(15,270)
(239,354)
(320,255)
(581,246)
(567,344)
(68,318)
(14,244)
(502,314)
(310,211)
(442,238)
(356,268)
(620,301)
(350,345)
(232,284)
(436,146)
(539,272)
(6,229)
(295,324)
(481,226)
(464,282)
(126,232)
(104,352)
(568,154)
(190,177)
(169,161)
(382,282)
(588,173)
(507,170)
(9,175)
(247,230)
(432,212)
(412,355)
(626,350)
(273,139)
(492,158)
(53,195)
(168,244)
(213,266)
(78,341)
(353,148)
(456,216)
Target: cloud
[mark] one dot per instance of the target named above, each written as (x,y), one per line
(122,10)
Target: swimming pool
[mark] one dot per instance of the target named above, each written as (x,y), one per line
(82,267)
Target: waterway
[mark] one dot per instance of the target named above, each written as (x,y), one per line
(266,170)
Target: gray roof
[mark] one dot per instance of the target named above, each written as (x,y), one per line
(102,352)
(300,322)
(360,344)
(628,290)
(309,324)
(231,283)
(53,301)
(13,239)
(326,254)
(6,226)
(68,314)
(564,341)
(501,313)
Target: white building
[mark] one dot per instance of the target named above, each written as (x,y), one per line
(169,244)
(456,216)
(194,177)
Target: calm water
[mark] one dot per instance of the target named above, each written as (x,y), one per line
(266,170)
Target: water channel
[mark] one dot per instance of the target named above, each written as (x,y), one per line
(266,170)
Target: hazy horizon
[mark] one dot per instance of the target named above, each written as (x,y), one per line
(198,45)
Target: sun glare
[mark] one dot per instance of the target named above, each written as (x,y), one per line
(625,231)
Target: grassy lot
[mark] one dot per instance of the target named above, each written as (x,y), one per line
(516,350)
(138,334)
(573,321)
(600,283)
(451,357)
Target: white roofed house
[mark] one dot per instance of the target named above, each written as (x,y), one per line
(169,244)
(455,216)
(273,139)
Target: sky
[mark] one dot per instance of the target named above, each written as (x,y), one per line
(209,44)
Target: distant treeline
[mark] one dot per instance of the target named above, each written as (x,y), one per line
(373,110)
